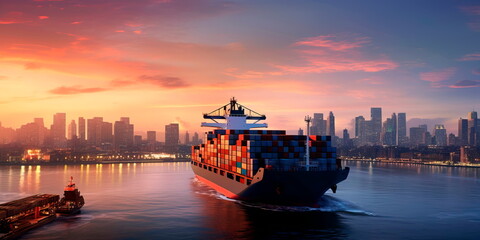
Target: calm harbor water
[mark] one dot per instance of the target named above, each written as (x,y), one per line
(165,201)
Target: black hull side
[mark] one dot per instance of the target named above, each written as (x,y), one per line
(274,187)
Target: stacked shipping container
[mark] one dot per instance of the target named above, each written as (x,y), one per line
(245,151)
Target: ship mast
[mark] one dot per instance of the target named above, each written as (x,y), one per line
(307,143)
(236,117)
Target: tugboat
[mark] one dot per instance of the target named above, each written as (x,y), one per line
(72,201)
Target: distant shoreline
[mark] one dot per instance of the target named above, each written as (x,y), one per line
(96,162)
(405,162)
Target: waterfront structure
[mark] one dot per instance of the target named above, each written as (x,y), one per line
(58,130)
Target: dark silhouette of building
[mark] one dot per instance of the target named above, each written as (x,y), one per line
(463,131)
(123,132)
(402,129)
(81,128)
(172,137)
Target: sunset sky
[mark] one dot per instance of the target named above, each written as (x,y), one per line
(163,61)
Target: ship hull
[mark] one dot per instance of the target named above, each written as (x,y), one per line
(275,187)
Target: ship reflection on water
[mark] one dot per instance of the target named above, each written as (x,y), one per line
(232,219)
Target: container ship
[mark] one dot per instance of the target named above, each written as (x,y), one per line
(265,166)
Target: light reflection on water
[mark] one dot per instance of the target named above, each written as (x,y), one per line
(164,201)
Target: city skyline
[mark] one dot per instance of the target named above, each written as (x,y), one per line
(169,61)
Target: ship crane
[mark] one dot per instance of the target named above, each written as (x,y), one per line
(236,117)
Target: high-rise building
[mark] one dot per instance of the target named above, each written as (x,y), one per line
(195,139)
(331,125)
(123,134)
(300,131)
(462,132)
(107,134)
(452,140)
(59,128)
(473,130)
(187,138)
(151,136)
(417,135)
(389,131)
(376,125)
(172,136)
(32,134)
(94,131)
(402,128)
(440,135)
(360,130)
(81,128)
(319,126)
(72,130)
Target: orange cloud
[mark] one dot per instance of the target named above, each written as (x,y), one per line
(75,90)
(43,17)
(163,81)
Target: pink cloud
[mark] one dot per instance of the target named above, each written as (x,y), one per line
(163,81)
(249,74)
(466,84)
(438,76)
(372,80)
(43,17)
(331,53)
(332,42)
(471,57)
(473,10)
(75,90)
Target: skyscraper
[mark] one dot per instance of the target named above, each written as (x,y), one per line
(402,128)
(59,130)
(417,135)
(72,130)
(389,131)
(300,131)
(376,125)
(331,125)
(440,135)
(81,128)
(123,134)
(463,131)
(151,136)
(172,135)
(187,138)
(195,140)
(94,131)
(360,130)
(473,130)
(319,126)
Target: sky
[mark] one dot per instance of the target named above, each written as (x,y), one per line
(164,61)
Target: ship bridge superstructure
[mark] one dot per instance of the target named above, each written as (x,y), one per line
(234,116)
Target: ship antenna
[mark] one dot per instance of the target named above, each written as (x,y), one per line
(307,143)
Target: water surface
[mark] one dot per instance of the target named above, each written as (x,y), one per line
(165,201)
